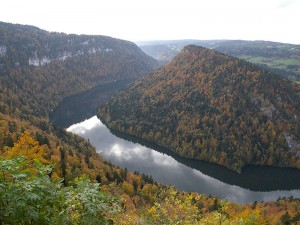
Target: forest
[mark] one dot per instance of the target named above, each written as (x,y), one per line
(49,176)
(38,68)
(74,185)
(213,107)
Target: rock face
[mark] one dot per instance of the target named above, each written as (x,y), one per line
(210,106)
(28,45)
(45,67)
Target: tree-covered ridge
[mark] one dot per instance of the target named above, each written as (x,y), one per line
(39,68)
(58,194)
(210,106)
(282,58)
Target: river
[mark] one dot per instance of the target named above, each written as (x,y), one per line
(255,183)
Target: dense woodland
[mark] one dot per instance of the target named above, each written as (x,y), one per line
(57,178)
(49,176)
(38,68)
(213,107)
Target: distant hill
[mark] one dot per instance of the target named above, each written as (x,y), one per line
(39,68)
(279,57)
(214,107)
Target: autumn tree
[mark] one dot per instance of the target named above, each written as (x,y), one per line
(28,147)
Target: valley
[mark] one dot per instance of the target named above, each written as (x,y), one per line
(279,57)
(170,169)
(191,124)
(209,106)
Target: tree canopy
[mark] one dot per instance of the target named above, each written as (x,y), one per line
(210,106)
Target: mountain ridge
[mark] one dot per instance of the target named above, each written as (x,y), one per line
(282,58)
(201,104)
(34,61)
(25,100)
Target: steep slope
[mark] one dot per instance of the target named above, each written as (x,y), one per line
(210,106)
(28,90)
(40,68)
(37,70)
(280,57)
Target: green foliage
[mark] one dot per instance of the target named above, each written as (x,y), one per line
(27,198)
(296,218)
(286,219)
(87,204)
(172,208)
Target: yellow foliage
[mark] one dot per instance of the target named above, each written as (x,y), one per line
(55,177)
(249,216)
(28,147)
(149,191)
(128,188)
(174,209)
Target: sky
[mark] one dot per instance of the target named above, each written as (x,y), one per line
(142,20)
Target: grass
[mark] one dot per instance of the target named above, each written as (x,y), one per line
(279,63)
(290,61)
(274,62)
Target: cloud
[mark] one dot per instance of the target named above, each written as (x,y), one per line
(164,168)
(89,124)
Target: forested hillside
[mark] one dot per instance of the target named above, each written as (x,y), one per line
(38,68)
(49,176)
(210,106)
(32,194)
(279,57)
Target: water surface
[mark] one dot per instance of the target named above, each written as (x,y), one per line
(78,107)
(190,175)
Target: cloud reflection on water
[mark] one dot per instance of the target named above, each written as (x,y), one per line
(164,168)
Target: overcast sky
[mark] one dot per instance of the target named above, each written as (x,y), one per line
(137,20)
